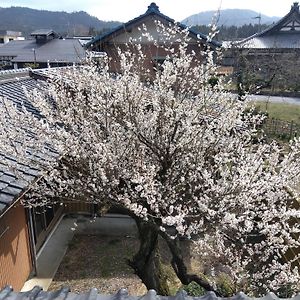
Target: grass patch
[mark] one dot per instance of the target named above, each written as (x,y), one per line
(281,111)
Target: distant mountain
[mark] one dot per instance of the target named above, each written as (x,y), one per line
(27,20)
(229,17)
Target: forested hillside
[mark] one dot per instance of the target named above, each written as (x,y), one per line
(26,20)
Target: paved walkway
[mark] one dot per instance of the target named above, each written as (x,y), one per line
(54,249)
(275,99)
(51,254)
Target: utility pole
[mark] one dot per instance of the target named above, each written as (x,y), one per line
(259,21)
(34,57)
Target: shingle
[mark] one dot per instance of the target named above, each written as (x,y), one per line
(6,198)
(2,207)
(14,91)
(12,190)
(11,183)
(7,178)
(64,294)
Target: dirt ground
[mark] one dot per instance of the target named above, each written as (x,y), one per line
(99,262)
(94,261)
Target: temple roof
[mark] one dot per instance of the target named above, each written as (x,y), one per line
(283,34)
(153,10)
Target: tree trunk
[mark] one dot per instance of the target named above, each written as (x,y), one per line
(146,263)
(180,267)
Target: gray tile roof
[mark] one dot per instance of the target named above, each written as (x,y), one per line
(284,34)
(56,50)
(13,73)
(152,11)
(284,41)
(43,32)
(64,294)
(11,185)
(14,90)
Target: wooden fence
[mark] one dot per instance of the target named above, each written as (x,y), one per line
(281,129)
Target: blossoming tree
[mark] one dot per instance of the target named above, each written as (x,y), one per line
(177,153)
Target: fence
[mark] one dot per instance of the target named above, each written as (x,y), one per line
(282,129)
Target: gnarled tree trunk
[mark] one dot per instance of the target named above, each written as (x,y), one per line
(146,263)
(180,268)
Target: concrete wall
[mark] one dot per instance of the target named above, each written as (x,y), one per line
(109,224)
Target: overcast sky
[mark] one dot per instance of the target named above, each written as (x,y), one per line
(124,10)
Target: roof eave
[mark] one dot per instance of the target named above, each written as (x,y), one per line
(126,26)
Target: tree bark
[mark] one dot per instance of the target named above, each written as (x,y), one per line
(180,268)
(146,263)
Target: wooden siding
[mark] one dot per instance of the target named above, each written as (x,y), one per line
(150,51)
(15,257)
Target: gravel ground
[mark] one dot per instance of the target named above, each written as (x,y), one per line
(99,262)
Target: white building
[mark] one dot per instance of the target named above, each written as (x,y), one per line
(7,35)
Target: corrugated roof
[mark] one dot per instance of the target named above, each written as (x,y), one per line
(56,50)
(65,294)
(152,10)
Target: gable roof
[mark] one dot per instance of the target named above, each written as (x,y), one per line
(289,23)
(283,34)
(45,32)
(153,10)
(53,51)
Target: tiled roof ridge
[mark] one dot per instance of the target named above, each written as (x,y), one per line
(13,75)
(153,9)
(64,293)
(294,10)
(15,71)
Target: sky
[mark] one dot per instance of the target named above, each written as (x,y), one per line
(124,10)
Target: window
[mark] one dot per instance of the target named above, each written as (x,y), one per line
(158,62)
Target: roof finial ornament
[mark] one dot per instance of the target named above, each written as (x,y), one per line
(153,7)
(295,5)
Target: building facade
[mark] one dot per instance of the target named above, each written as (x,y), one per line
(271,58)
(44,49)
(8,35)
(146,31)
(24,230)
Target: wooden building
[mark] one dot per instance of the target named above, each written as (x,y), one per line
(154,49)
(270,57)
(23,230)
